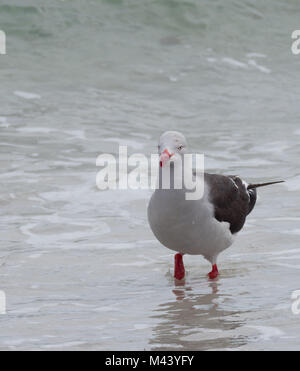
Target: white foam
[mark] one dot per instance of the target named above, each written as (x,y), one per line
(141,326)
(34,256)
(26,95)
(267,332)
(234,62)
(80,134)
(64,345)
(292,257)
(36,130)
(263,69)
(293,266)
(17,342)
(256,55)
(105,309)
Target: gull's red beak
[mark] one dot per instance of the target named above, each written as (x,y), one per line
(165,157)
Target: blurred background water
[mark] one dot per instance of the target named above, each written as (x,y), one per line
(80,267)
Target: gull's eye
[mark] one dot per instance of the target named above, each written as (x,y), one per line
(180,148)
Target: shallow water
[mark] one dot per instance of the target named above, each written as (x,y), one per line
(80,267)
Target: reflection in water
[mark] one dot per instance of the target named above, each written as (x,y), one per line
(195,322)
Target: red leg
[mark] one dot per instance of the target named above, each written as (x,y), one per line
(214,273)
(179,267)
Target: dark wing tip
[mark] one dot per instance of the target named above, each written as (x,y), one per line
(252,186)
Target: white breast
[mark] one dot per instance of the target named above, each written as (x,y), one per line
(188,227)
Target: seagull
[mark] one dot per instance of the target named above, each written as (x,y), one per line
(206,226)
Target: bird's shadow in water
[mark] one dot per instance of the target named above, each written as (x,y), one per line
(194,321)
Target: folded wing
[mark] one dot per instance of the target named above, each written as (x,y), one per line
(231,198)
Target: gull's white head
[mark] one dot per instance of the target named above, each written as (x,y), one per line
(172,146)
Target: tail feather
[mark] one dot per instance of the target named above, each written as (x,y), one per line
(253,186)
